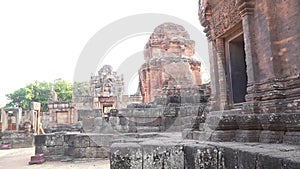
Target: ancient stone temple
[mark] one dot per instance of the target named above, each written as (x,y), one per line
(169,62)
(60,112)
(107,89)
(254,55)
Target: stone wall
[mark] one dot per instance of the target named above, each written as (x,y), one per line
(18,139)
(269,111)
(64,146)
(153,154)
(173,117)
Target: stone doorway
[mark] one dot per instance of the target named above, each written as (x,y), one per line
(235,57)
(106,108)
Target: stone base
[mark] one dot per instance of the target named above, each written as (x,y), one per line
(5,146)
(223,120)
(194,154)
(37,159)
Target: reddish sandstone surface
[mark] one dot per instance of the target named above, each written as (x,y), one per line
(169,62)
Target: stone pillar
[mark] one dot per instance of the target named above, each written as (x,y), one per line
(215,92)
(246,11)
(246,8)
(221,73)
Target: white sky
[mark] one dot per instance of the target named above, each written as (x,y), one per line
(42,39)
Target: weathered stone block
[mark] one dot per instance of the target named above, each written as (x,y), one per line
(157,154)
(271,136)
(226,135)
(126,156)
(221,122)
(292,121)
(81,141)
(69,139)
(79,152)
(56,139)
(291,163)
(200,156)
(265,161)
(246,160)
(272,121)
(54,151)
(248,122)
(291,138)
(228,157)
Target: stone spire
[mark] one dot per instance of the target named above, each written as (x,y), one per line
(169,62)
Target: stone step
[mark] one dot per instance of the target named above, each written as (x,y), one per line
(157,153)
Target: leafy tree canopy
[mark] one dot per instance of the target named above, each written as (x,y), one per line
(40,92)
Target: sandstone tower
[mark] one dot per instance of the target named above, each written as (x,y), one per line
(169,62)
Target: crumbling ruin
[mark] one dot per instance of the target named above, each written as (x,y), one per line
(253,102)
(169,62)
(18,126)
(254,70)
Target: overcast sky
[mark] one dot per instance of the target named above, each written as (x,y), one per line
(42,40)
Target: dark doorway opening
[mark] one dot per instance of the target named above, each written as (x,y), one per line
(237,69)
(107,108)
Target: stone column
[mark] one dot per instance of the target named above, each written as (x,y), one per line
(214,97)
(246,8)
(223,98)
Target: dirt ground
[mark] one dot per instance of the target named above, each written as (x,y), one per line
(19,158)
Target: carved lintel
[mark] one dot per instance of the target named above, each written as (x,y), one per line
(219,18)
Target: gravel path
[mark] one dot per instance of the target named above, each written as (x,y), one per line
(19,158)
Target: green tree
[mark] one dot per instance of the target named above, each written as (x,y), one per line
(40,92)
(63,89)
